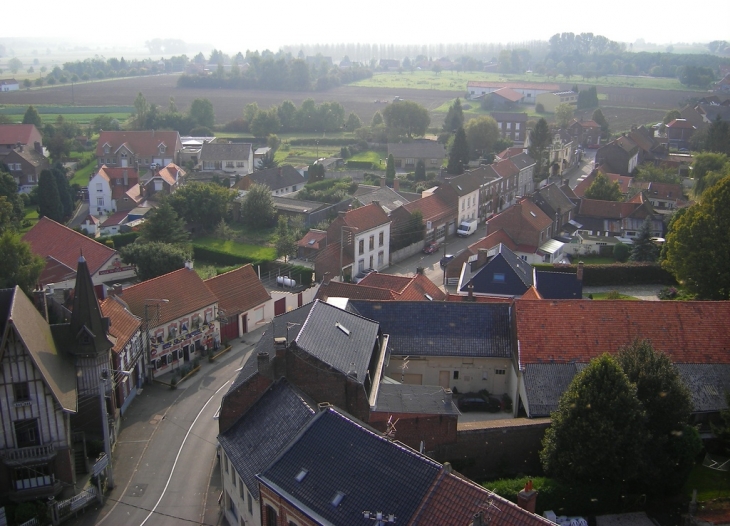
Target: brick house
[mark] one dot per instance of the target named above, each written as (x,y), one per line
(108,189)
(162,181)
(407,154)
(138,149)
(585,133)
(13,136)
(281,180)
(511,125)
(619,156)
(612,218)
(228,157)
(679,132)
(25,165)
(377,286)
(439,217)
(524,222)
(556,205)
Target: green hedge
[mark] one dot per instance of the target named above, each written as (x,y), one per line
(122,240)
(616,274)
(218,257)
(360,165)
(564,499)
(322,142)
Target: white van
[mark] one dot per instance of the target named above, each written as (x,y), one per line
(467,228)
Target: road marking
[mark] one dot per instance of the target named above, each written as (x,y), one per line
(177,457)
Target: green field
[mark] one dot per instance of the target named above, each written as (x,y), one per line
(370,156)
(456,81)
(239,249)
(610,296)
(78,114)
(709,483)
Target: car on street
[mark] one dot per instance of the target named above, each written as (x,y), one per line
(445,260)
(431,247)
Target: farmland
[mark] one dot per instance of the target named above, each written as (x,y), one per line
(623,105)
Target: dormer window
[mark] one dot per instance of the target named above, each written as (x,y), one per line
(107,149)
(162,148)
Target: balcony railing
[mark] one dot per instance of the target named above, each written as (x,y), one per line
(20,456)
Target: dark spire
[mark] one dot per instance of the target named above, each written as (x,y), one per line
(88,327)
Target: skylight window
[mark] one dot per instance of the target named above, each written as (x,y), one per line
(300,476)
(343,328)
(532,213)
(428,297)
(337,499)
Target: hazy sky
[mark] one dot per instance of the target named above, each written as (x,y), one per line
(234,26)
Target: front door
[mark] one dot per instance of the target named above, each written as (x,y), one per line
(186,353)
(279,306)
(444,379)
(245,323)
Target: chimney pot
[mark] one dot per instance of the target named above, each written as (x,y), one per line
(396,184)
(448,397)
(382,181)
(419,270)
(579,272)
(527,498)
(263,364)
(447,467)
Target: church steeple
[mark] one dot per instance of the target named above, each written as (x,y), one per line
(88,327)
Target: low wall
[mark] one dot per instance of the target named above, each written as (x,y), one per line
(499,449)
(405,253)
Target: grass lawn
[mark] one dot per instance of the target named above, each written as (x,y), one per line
(236,248)
(596,260)
(610,296)
(709,483)
(31,215)
(81,176)
(455,81)
(371,156)
(305,154)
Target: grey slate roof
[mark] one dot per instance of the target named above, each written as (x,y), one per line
(418,328)
(418,149)
(707,384)
(466,183)
(503,260)
(278,177)
(545,383)
(288,204)
(341,455)
(387,198)
(558,285)
(522,161)
(277,328)
(255,440)
(339,338)
(550,199)
(406,398)
(225,151)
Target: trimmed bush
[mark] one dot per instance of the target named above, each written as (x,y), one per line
(218,257)
(322,142)
(359,165)
(122,240)
(617,274)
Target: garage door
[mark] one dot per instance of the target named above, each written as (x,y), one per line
(279,306)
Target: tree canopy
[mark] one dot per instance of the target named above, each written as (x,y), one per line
(390,169)
(155,258)
(163,225)
(644,248)
(597,433)
(540,139)
(286,245)
(257,207)
(49,201)
(458,154)
(31,116)
(201,111)
(18,264)
(9,190)
(481,134)
(697,244)
(204,204)
(707,169)
(563,114)
(454,117)
(600,119)
(405,117)
(603,189)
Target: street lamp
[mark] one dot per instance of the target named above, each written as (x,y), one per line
(148,351)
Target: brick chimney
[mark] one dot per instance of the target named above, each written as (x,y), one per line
(579,272)
(115,290)
(396,184)
(448,398)
(382,181)
(482,258)
(527,498)
(38,148)
(264,365)
(419,270)
(470,287)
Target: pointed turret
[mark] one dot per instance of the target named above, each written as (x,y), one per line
(88,327)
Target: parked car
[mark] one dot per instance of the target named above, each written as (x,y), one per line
(491,404)
(431,247)
(445,260)
(361,275)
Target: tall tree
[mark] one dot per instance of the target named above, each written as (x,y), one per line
(265,123)
(670,453)
(603,189)
(454,117)
(405,117)
(718,137)
(316,172)
(390,169)
(65,194)
(163,225)
(257,207)
(9,190)
(32,117)
(286,245)
(420,174)
(141,108)
(459,153)
(563,115)
(644,248)
(18,264)
(49,202)
(703,228)
(597,434)
(704,165)
(204,204)
(482,134)
(201,111)
(540,140)
(600,119)
(155,259)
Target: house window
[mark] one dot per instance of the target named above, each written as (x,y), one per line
(361,247)
(456,375)
(381,236)
(517,126)
(239,164)
(99,187)
(498,277)
(380,259)
(234,478)
(240,490)
(106,149)
(26,433)
(21,391)
(271,518)
(371,244)
(258,315)
(162,148)
(371,262)
(500,371)
(361,266)
(99,201)
(229,164)
(250,503)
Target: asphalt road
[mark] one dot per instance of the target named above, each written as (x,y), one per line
(165,456)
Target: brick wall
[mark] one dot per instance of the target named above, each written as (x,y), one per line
(236,403)
(285,511)
(433,430)
(497,451)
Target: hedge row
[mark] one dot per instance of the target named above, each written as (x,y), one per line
(122,240)
(218,257)
(322,142)
(360,165)
(616,274)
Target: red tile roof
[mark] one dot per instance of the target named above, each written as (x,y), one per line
(366,217)
(184,289)
(140,143)
(586,124)
(123,325)
(606,209)
(317,237)
(170,173)
(531,294)
(338,289)
(405,288)
(54,272)
(680,123)
(17,133)
(510,152)
(506,168)
(509,94)
(48,238)
(432,207)
(582,186)
(115,219)
(624,181)
(328,260)
(455,500)
(479,299)
(563,331)
(238,291)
